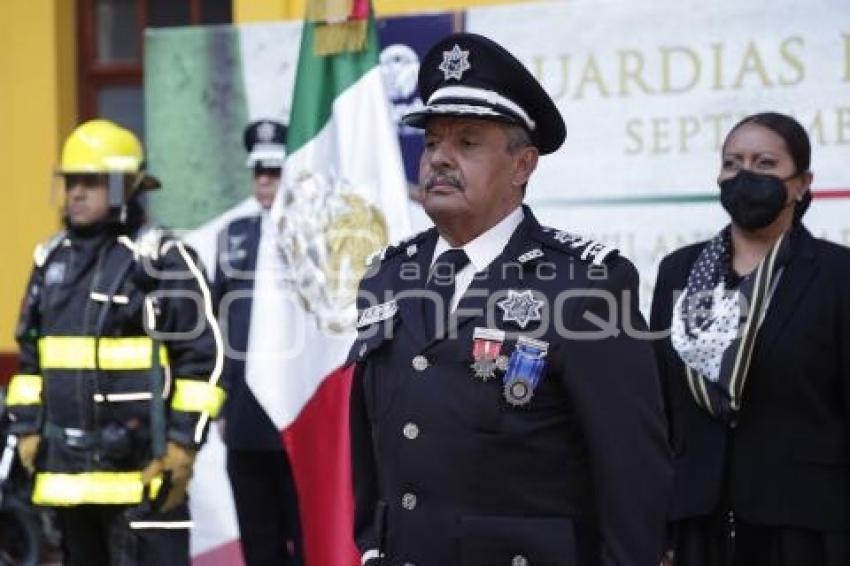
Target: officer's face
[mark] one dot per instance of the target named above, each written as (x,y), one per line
(469,177)
(266,182)
(86,199)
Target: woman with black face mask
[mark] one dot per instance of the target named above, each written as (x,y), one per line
(756,368)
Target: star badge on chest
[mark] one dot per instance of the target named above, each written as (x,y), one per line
(520,307)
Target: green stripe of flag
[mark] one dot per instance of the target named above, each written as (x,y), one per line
(320,80)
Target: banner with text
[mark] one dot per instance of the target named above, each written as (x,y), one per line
(648,104)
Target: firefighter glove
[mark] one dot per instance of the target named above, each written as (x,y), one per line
(27,451)
(176,464)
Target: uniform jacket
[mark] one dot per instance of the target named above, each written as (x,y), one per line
(248,426)
(96,310)
(784,460)
(447,472)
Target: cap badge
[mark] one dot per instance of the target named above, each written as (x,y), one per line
(455,63)
(265,132)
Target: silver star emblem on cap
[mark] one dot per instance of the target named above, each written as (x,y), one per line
(455,63)
(265,132)
(520,307)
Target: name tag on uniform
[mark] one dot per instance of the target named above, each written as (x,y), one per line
(377,313)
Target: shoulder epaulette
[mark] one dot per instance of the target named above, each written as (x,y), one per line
(390,251)
(580,246)
(44,249)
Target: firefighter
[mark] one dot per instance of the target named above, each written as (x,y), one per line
(120,359)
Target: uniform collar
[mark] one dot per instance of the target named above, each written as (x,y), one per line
(486,247)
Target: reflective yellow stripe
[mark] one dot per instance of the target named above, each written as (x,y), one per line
(91,487)
(197,396)
(24,389)
(77,352)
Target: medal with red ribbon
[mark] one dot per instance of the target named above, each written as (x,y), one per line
(487,342)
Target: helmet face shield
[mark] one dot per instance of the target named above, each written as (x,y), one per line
(116,187)
(117,184)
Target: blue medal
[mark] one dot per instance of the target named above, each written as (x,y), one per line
(525,368)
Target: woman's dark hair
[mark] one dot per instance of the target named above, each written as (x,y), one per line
(796,140)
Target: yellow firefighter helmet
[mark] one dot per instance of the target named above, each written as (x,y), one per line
(101,146)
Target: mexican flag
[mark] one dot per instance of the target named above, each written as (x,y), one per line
(340,133)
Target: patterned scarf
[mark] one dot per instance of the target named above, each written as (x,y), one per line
(717,318)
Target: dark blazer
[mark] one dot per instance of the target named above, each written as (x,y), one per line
(786,454)
(248,426)
(447,472)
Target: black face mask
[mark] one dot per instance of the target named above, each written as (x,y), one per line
(753,200)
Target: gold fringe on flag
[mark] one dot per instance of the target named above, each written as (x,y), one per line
(346,37)
(329,10)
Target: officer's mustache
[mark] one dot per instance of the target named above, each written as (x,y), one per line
(442,178)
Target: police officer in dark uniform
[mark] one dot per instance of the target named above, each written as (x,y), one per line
(260,475)
(120,363)
(504,410)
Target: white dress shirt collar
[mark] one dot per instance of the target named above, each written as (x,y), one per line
(486,247)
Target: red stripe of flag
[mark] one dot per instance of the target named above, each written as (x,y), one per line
(831,193)
(319,452)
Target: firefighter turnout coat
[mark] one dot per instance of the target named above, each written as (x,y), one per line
(119,348)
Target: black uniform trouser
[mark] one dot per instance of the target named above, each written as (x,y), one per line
(266,507)
(100,535)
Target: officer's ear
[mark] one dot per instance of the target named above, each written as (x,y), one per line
(525,162)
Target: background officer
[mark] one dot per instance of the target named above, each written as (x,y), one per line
(503,412)
(120,358)
(260,475)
